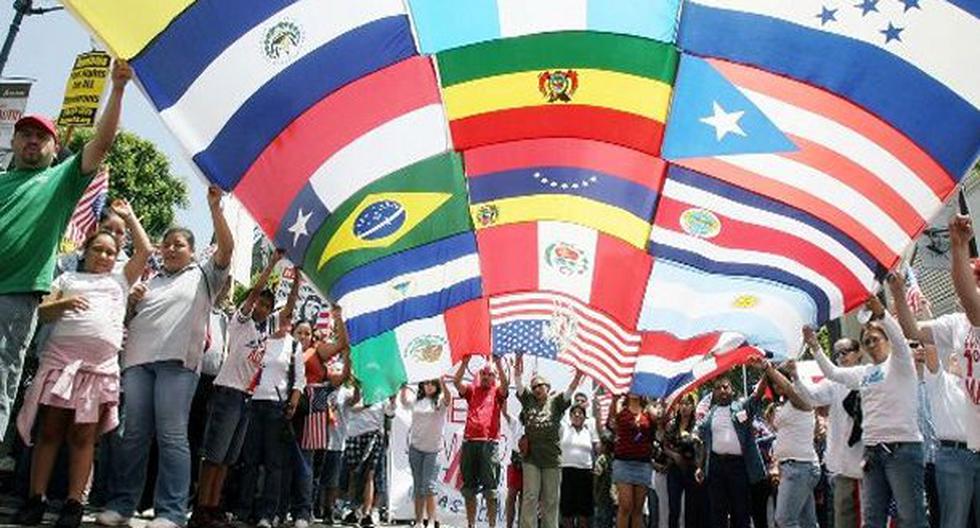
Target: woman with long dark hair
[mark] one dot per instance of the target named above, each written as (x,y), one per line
(681,447)
(429,403)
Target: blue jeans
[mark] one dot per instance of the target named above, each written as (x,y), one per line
(18,320)
(958,480)
(265,445)
(297,483)
(794,500)
(894,471)
(157,403)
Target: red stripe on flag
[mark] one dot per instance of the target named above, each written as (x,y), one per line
(325,128)
(620,271)
(575,121)
(799,199)
(624,163)
(825,104)
(83,219)
(508,257)
(744,236)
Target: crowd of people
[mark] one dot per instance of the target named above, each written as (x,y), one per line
(150,370)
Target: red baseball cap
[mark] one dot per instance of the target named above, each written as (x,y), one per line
(38,121)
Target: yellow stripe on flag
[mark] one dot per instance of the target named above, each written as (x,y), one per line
(601,88)
(127,26)
(563,208)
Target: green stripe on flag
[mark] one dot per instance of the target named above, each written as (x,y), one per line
(377,364)
(566,49)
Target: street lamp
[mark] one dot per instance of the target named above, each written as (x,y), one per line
(22,8)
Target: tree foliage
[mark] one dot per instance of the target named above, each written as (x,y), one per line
(140,173)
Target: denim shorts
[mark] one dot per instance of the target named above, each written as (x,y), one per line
(425,468)
(635,472)
(227,424)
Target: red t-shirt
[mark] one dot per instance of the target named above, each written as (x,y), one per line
(634,441)
(483,414)
(315,373)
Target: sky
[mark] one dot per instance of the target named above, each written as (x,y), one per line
(44,51)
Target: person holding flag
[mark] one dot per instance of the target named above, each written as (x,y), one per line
(36,202)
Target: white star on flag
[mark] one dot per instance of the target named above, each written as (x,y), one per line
(723,122)
(298,228)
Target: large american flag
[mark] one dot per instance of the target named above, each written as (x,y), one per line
(562,328)
(89,209)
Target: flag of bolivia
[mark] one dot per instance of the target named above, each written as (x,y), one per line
(580,84)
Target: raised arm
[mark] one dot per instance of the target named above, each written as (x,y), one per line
(785,387)
(253,294)
(96,149)
(848,376)
(447,399)
(141,242)
(222,233)
(504,387)
(907,320)
(960,233)
(519,373)
(460,372)
(406,396)
(286,315)
(341,343)
(570,391)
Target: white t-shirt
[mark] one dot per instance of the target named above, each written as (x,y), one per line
(106,295)
(576,446)
(889,400)
(953,333)
(274,378)
(365,418)
(840,458)
(215,351)
(947,400)
(724,438)
(246,346)
(428,423)
(794,434)
(171,321)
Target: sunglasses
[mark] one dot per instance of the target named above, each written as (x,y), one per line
(871,341)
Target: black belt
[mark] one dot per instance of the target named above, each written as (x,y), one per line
(954,444)
(726,457)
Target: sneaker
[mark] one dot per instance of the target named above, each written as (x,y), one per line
(111,518)
(31,512)
(162,522)
(367,521)
(301,523)
(350,519)
(71,515)
(264,523)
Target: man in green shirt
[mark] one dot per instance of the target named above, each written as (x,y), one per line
(36,202)
(541,414)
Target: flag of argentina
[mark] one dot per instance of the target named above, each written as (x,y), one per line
(414,284)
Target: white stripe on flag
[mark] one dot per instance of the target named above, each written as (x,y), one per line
(396,144)
(761,217)
(240,71)
(520,17)
(424,282)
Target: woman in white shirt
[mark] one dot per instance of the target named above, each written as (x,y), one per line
(578,443)
(429,404)
(893,454)
(75,392)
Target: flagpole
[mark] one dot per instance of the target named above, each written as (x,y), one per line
(965,209)
(745,381)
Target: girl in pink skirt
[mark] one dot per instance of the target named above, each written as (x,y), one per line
(75,393)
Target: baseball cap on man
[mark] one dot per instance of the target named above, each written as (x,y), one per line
(38,121)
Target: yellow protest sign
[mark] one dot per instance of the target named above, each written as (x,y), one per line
(83,92)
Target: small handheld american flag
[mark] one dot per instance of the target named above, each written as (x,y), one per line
(89,209)
(315,430)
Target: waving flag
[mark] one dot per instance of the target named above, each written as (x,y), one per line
(905,62)
(90,206)
(804,146)
(668,367)
(559,327)
(597,269)
(587,85)
(443,25)
(411,207)
(722,229)
(598,185)
(413,284)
